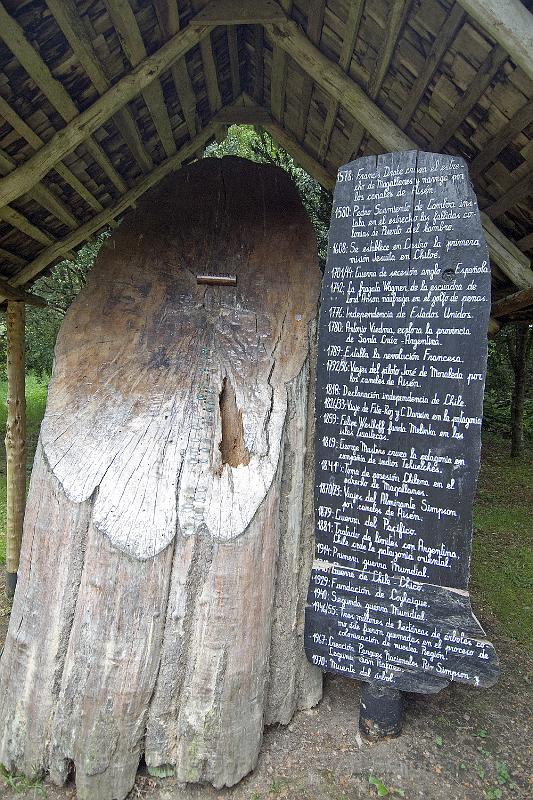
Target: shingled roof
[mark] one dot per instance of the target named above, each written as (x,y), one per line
(99,99)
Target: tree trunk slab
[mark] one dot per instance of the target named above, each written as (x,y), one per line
(168,534)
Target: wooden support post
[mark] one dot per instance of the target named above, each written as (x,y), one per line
(15,440)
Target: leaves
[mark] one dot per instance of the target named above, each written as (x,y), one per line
(377,783)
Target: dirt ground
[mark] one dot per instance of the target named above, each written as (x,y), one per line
(461,744)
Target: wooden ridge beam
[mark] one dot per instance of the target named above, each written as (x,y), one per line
(24,130)
(315,19)
(351,31)
(84,124)
(453,22)
(69,21)
(169,22)
(15,38)
(514,195)
(239,12)
(125,23)
(495,144)
(512,303)
(491,65)
(510,24)
(57,249)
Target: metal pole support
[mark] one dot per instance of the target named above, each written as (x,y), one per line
(381,712)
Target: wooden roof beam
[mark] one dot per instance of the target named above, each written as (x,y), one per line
(351,31)
(512,303)
(453,22)
(84,124)
(35,142)
(315,19)
(343,89)
(396,18)
(506,255)
(334,81)
(515,194)
(15,38)
(278,79)
(233,50)
(37,69)
(259,46)
(169,22)
(510,24)
(41,194)
(210,75)
(69,21)
(495,144)
(484,76)
(13,293)
(125,23)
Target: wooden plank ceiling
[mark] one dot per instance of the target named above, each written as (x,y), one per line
(99,99)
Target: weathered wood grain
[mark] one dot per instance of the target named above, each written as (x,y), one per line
(168,535)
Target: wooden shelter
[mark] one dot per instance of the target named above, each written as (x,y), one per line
(100,99)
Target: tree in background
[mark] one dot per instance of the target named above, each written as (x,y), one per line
(508,401)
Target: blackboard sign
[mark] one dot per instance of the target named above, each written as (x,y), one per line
(400,378)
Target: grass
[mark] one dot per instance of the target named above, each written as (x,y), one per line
(502,557)
(502,560)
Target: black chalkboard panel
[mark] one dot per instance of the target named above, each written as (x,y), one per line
(400,378)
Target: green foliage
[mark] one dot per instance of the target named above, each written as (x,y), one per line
(245,141)
(502,556)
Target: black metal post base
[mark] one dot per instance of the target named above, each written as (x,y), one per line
(11,584)
(381,712)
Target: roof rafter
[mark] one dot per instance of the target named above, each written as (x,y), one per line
(510,24)
(340,86)
(67,17)
(493,147)
(351,29)
(393,27)
(57,249)
(315,18)
(442,41)
(169,22)
(487,71)
(84,124)
(35,142)
(37,69)
(126,26)
(278,79)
